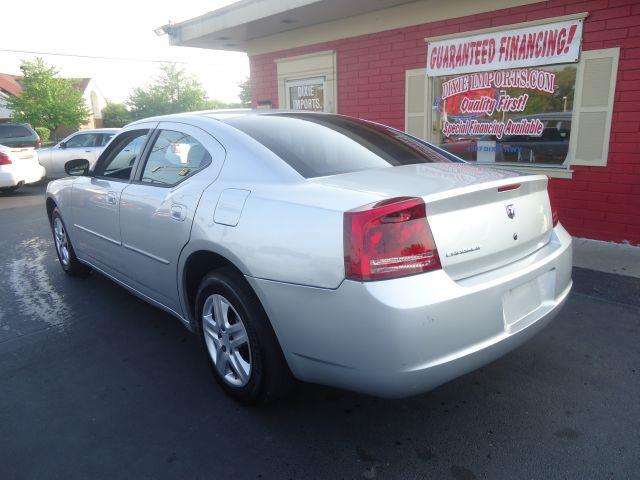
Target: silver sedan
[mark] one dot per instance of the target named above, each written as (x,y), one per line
(318,247)
(87,144)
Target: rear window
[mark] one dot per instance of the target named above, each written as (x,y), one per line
(14,131)
(316,145)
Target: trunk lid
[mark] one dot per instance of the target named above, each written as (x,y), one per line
(24,158)
(477,224)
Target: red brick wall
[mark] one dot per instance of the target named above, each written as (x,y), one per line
(598,202)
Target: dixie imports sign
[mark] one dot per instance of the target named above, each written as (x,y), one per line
(525,47)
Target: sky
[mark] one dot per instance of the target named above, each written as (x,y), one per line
(117,28)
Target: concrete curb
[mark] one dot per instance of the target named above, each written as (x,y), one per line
(609,257)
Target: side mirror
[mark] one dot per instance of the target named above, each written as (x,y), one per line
(77,168)
(62,145)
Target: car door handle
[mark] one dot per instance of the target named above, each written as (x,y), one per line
(88,151)
(178,212)
(111,198)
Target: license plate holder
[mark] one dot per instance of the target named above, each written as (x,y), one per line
(518,303)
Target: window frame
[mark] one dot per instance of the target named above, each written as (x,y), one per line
(559,171)
(186,129)
(113,146)
(307,66)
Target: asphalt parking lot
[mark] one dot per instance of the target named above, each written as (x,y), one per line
(94,383)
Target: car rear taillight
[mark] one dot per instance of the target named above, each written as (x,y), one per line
(4,159)
(388,239)
(39,142)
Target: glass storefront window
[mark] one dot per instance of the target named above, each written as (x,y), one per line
(520,116)
(306,94)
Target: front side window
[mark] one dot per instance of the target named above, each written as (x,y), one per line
(174,157)
(119,161)
(82,140)
(316,145)
(518,116)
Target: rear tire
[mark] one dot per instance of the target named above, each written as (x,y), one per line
(64,249)
(241,347)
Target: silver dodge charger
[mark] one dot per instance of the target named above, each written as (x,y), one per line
(317,246)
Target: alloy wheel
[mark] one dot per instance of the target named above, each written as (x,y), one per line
(61,240)
(227,340)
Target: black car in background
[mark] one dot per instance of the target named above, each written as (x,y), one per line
(18,135)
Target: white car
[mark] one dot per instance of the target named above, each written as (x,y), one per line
(18,166)
(86,144)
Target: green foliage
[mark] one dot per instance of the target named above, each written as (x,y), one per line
(245,92)
(540,102)
(43,133)
(47,100)
(218,105)
(116,115)
(174,91)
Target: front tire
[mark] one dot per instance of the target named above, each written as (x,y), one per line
(241,347)
(64,249)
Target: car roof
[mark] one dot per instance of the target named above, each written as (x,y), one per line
(27,125)
(223,114)
(98,130)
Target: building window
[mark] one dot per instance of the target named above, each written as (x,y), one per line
(517,116)
(306,94)
(487,101)
(308,82)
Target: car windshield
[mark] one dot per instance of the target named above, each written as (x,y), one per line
(320,145)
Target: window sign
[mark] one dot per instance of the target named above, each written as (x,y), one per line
(307,94)
(507,116)
(506,96)
(548,44)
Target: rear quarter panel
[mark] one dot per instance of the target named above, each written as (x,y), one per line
(289,229)
(287,232)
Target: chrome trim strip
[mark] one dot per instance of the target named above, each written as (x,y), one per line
(104,237)
(146,254)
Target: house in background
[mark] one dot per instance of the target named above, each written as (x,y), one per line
(95,101)
(93,97)
(9,86)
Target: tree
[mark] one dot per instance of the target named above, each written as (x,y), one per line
(245,92)
(47,100)
(174,91)
(116,115)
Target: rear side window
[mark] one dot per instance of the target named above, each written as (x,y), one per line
(316,145)
(174,157)
(14,131)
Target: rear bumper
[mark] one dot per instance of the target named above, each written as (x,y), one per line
(405,336)
(11,176)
